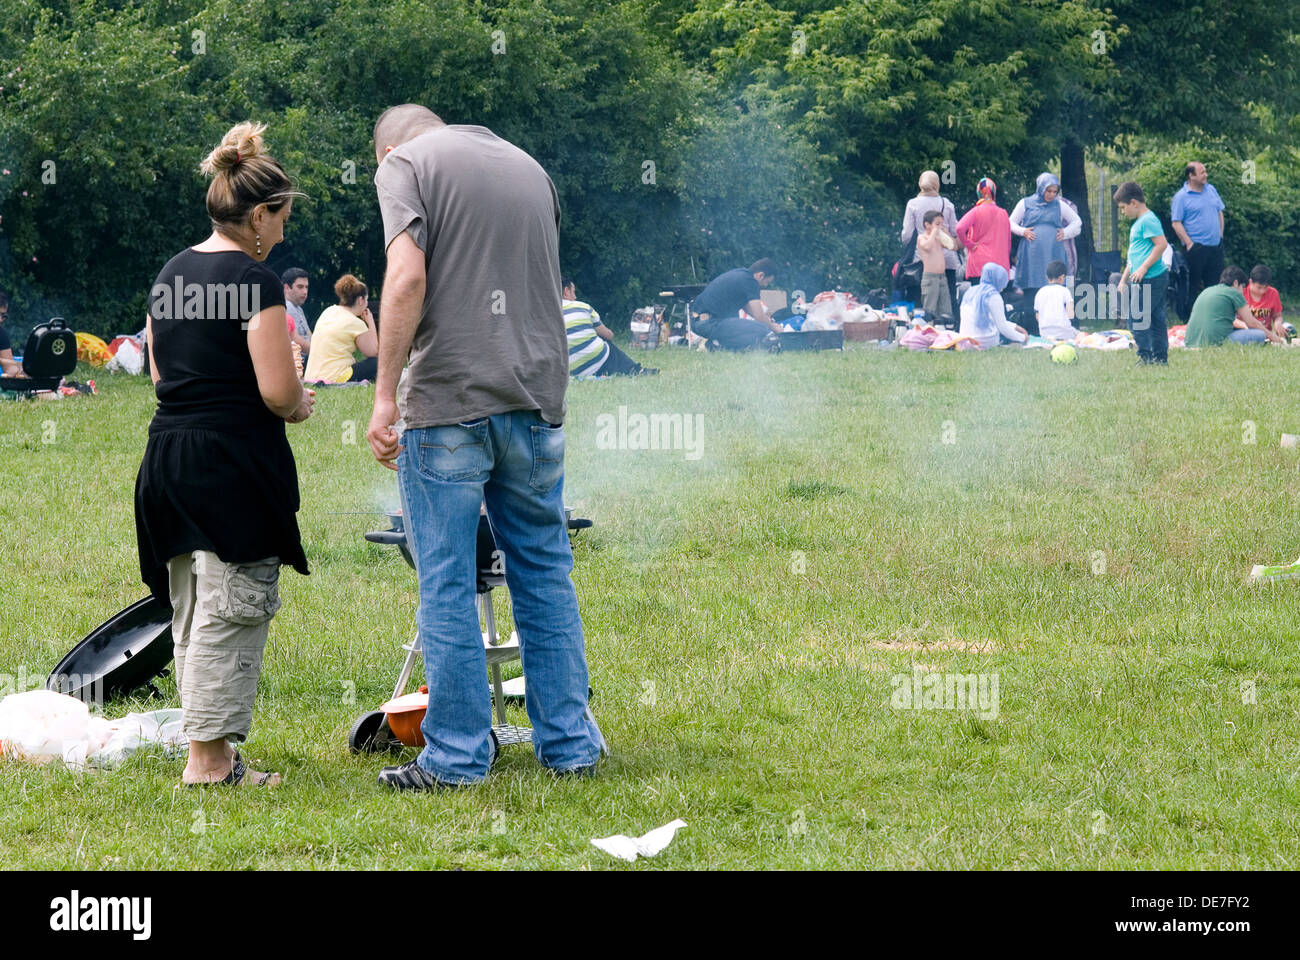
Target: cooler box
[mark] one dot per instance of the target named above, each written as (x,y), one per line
(810,340)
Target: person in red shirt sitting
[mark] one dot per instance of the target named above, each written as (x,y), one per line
(1263,300)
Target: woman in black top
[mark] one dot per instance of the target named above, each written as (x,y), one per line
(217,492)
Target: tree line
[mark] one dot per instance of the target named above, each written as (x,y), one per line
(683,137)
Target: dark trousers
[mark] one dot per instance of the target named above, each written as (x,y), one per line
(618,364)
(1204,264)
(952,294)
(367,369)
(732,333)
(1025,316)
(1146,318)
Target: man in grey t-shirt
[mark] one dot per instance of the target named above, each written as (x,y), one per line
(471,297)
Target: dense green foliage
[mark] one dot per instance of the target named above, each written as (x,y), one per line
(684,137)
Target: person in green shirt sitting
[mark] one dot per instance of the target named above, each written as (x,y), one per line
(1215,309)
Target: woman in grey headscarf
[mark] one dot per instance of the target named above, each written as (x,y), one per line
(1043,223)
(913,223)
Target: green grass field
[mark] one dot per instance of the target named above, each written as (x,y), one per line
(1082,533)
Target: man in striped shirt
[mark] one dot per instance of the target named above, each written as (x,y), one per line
(592,352)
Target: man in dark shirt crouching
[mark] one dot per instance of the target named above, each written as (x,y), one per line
(718,307)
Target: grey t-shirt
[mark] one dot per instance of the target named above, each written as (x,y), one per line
(491,336)
(298,317)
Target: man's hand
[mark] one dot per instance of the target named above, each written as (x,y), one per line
(382,436)
(1137,275)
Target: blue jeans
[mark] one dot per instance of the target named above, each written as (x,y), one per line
(1147,318)
(1247,336)
(514,462)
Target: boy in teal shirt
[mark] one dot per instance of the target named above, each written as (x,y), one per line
(1147,273)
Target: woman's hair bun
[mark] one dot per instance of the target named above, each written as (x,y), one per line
(348,288)
(242,142)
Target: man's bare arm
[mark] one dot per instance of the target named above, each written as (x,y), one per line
(758,310)
(403,298)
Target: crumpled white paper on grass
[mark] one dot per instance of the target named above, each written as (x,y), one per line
(647,845)
(40,726)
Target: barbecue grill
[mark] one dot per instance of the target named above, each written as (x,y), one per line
(51,355)
(371,733)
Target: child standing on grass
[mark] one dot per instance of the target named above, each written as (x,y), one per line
(930,244)
(1145,273)
(1054,305)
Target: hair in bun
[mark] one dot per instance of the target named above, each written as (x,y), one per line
(243,175)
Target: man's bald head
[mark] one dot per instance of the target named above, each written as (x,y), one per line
(396,125)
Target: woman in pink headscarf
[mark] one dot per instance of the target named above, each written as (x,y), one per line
(985,232)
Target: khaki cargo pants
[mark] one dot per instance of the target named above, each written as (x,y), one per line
(221,614)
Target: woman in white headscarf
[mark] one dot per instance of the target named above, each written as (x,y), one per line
(913,223)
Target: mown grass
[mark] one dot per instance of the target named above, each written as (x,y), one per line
(1082,532)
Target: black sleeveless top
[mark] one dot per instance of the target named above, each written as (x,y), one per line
(218,473)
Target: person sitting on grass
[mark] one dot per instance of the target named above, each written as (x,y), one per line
(1264,301)
(9,367)
(340,331)
(295,295)
(1211,323)
(592,352)
(1054,305)
(984,315)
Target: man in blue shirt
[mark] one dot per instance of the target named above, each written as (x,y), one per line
(1197,215)
(718,307)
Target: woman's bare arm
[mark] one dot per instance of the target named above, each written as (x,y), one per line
(268,346)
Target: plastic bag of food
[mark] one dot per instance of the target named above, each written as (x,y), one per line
(36,725)
(40,726)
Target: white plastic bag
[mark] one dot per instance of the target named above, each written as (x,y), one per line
(36,724)
(128,358)
(827,314)
(40,726)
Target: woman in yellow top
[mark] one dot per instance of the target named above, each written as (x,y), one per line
(340,331)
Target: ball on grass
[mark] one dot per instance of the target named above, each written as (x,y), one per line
(1064,353)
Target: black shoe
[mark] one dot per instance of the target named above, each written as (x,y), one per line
(647,372)
(577,773)
(411,776)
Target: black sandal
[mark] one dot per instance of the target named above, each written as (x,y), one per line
(235,777)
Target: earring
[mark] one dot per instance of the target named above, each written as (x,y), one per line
(259,244)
